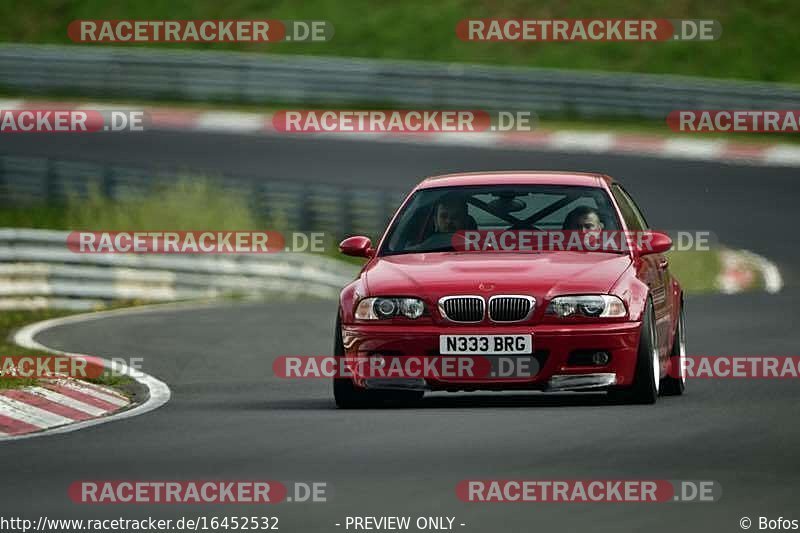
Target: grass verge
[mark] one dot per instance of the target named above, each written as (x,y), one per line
(696,270)
(757,41)
(10,321)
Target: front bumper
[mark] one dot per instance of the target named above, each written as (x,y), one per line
(553,345)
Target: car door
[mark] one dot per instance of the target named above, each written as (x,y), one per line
(652,269)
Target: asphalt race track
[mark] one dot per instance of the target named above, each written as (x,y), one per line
(230,419)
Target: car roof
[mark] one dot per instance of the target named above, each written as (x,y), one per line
(586,179)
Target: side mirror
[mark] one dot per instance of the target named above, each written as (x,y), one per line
(358,246)
(652,242)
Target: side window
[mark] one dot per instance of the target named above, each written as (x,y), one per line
(636,210)
(633,217)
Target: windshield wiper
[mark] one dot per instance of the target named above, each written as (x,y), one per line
(423,251)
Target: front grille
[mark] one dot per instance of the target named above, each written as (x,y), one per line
(510,308)
(462,308)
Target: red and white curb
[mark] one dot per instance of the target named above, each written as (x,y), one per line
(70,405)
(55,404)
(686,147)
(742,269)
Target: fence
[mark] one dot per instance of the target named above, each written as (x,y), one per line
(261,78)
(37,270)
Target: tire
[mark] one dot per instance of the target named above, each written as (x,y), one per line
(646,382)
(348,396)
(675,386)
(345,393)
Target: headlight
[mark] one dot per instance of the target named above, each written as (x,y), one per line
(594,305)
(382,308)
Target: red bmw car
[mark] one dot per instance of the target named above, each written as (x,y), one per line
(574,319)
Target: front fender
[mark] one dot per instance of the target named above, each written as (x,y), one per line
(634,293)
(350,295)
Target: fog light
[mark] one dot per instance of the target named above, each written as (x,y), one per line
(600,358)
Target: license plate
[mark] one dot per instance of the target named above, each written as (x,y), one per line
(485,344)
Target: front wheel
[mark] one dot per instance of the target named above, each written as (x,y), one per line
(348,396)
(647,379)
(345,393)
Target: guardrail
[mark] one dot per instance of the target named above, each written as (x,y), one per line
(340,211)
(38,271)
(262,78)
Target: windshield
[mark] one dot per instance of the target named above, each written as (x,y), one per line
(431,217)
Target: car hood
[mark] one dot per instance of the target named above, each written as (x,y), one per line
(542,275)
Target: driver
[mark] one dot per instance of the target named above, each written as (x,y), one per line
(451,214)
(449,217)
(583,218)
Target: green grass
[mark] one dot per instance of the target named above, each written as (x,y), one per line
(758,40)
(34,216)
(189,204)
(696,270)
(10,321)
